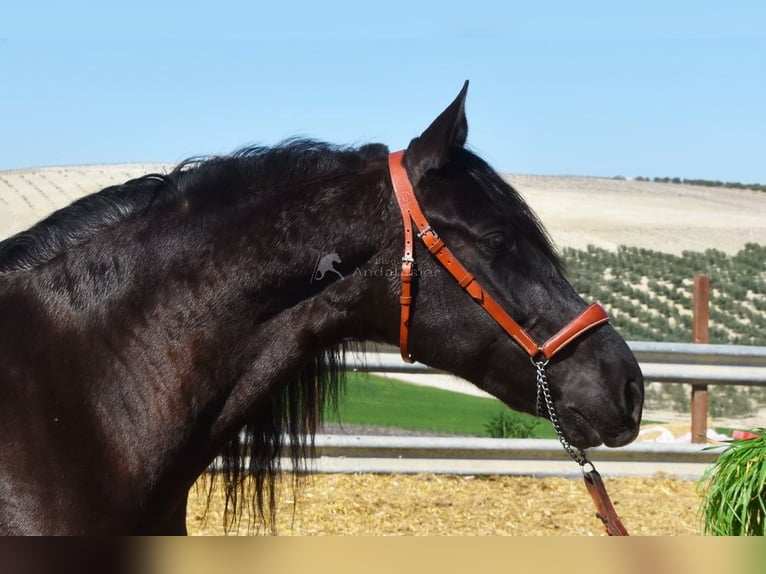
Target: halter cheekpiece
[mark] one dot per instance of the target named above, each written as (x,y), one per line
(591,317)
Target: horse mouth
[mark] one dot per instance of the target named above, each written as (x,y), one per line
(583,433)
(586,434)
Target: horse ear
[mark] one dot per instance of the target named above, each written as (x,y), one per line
(431,149)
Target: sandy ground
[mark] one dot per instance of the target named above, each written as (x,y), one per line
(577,211)
(428,504)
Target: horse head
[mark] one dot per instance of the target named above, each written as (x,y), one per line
(595,382)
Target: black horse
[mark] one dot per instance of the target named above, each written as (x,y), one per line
(143,327)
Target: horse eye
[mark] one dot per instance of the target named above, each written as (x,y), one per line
(494,241)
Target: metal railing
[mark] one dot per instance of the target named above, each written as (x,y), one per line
(493,456)
(457,455)
(688,363)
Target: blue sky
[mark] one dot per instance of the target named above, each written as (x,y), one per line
(589,88)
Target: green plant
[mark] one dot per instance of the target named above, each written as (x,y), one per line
(734,489)
(502,425)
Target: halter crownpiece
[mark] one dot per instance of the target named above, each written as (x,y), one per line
(591,317)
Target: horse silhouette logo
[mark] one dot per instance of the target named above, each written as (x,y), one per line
(326,264)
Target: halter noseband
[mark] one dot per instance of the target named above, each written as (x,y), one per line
(591,317)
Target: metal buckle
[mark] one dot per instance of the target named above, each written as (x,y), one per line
(428,229)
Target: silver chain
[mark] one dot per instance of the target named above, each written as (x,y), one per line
(546,408)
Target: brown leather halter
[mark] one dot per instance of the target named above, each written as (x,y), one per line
(590,318)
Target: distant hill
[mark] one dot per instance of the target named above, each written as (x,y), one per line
(577,211)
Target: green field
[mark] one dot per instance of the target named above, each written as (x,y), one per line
(376,401)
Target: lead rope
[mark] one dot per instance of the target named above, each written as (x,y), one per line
(604,509)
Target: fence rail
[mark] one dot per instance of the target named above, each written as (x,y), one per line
(688,363)
(492,456)
(478,448)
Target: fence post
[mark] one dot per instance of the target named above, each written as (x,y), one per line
(699,402)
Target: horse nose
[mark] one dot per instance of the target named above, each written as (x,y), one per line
(634,402)
(634,398)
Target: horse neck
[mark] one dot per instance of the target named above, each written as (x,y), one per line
(202,320)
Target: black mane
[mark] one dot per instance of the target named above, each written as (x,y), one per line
(70,226)
(255,168)
(250,464)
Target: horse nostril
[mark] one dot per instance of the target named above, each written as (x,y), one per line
(634,398)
